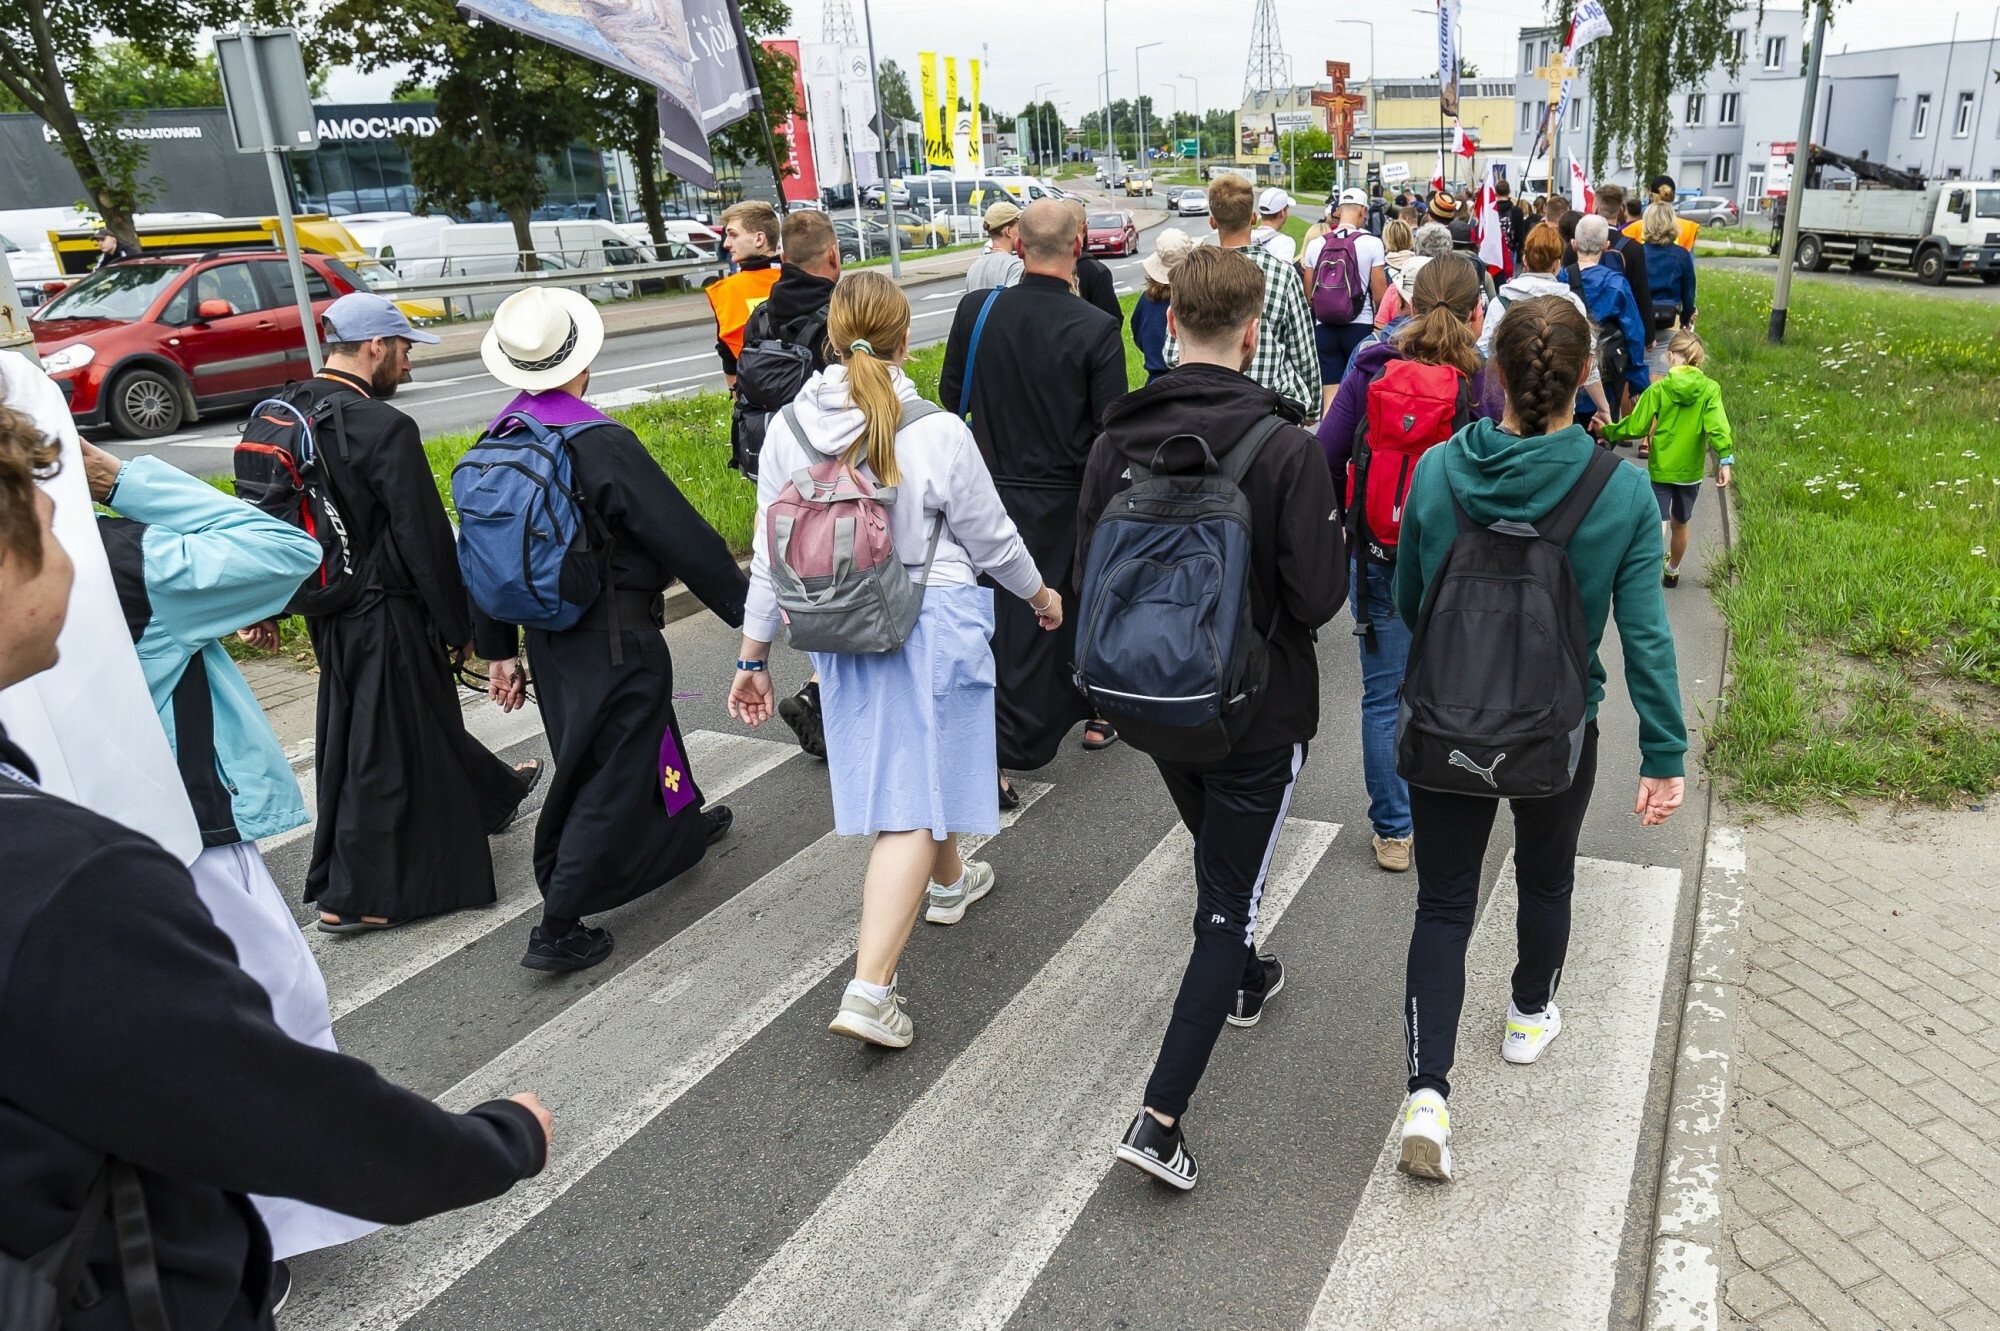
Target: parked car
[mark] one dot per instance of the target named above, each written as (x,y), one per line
(804,206)
(1189,203)
(1111,233)
(1709,211)
(872,235)
(146,345)
(875,195)
(1138,183)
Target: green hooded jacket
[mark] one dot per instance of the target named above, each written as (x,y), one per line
(1688,406)
(1615,555)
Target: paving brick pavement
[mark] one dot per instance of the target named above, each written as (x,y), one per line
(1861,1181)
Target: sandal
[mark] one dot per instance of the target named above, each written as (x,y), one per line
(353,924)
(1098,735)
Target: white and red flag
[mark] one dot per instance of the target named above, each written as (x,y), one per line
(1489,229)
(1581,196)
(1462,144)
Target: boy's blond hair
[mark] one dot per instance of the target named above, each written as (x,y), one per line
(755,217)
(1686,346)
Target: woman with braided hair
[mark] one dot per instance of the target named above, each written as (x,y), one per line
(1519,469)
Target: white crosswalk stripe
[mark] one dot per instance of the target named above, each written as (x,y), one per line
(1051,1082)
(1541,1155)
(616,1058)
(360,969)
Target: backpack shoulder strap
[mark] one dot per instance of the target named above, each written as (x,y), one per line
(1237,465)
(972,351)
(912,413)
(1573,275)
(1562,521)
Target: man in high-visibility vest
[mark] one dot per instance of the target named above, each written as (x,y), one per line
(750,233)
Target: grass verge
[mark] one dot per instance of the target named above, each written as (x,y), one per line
(1865,603)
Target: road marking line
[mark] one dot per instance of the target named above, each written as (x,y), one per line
(1055,1077)
(1547,1150)
(614,1060)
(359,970)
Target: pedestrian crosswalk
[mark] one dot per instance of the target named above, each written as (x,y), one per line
(961,1187)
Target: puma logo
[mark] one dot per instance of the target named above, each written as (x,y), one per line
(1485,773)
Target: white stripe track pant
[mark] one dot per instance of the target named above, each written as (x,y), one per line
(1235,808)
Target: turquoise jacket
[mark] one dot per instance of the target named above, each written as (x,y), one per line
(214,564)
(1615,555)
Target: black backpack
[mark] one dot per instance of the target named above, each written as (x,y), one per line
(1498,681)
(282,469)
(1164,646)
(1613,356)
(774,366)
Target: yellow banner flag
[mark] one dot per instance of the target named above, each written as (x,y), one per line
(937,149)
(978,153)
(950,112)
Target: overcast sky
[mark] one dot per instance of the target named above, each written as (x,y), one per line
(1033,41)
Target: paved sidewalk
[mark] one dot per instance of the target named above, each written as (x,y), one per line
(1862,1172)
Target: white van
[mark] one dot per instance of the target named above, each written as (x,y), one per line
(410,247)
(1026,189)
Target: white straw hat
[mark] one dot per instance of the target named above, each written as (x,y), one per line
(542,337)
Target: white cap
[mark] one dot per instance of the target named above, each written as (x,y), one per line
(1273,201)
(1353,198)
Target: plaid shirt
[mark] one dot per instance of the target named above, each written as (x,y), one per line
(1287,358)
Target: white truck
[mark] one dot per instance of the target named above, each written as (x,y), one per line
(1934,228)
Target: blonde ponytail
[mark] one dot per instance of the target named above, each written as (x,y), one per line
(867,323)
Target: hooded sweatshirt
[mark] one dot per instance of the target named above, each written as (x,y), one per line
(1686,406)
(943,477)
(1615,555)
(1297,556)
(797,296)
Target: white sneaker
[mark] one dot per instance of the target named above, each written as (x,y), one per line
(1527,1037)
(1426,1149)
(946,905)
(862,1018)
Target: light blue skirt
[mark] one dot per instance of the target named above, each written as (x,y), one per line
(909,733)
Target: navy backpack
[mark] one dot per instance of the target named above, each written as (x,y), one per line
(1165,647)
(531,549)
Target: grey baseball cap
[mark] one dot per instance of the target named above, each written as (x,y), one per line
(361,315)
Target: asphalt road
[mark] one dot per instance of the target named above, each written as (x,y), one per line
(722,1161)
(460,395)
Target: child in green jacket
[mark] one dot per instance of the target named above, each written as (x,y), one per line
(1681,418)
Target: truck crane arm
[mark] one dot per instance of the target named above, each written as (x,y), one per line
(1861,167)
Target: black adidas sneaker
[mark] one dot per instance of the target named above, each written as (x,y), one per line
(1159,1151)
(1250,1002)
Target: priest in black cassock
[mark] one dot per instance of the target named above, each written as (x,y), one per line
(1047,368)
(623,814)
(406,797)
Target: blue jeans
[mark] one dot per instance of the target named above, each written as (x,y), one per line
(1383,655)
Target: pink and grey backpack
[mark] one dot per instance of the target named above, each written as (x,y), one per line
(840,584)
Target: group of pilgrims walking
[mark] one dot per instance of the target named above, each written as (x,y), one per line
(989,507)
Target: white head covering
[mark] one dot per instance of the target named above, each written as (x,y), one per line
(89,724)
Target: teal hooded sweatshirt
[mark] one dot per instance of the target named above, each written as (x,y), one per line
(1615,554)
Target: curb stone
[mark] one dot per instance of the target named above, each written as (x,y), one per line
(1684,1283)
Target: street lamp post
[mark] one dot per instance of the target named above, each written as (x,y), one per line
(1788,245)
(882,142)
(1139,98)
(1041,138)
(1374,91)
(1197,121)
(1174,91)
(1110,145)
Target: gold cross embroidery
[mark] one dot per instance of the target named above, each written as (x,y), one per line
(671,779)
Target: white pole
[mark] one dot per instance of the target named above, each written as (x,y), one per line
(1788,245)
(888,182)
(1197,123)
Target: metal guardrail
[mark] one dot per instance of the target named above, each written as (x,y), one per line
(621,280)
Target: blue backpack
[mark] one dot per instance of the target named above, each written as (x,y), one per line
(532,550)
(1165,647)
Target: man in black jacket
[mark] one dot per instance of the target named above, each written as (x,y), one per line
(1048,368)
(140,1059)
(1093,276)
(1235,806)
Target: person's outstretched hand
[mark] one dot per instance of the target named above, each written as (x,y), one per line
(533,1104)
(1659,796)
(750,697)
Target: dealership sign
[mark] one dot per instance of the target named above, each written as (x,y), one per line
(376,127)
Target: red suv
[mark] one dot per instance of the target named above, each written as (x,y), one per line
(146,345)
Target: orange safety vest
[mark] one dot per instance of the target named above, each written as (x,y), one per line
(1688,230)
(734,297)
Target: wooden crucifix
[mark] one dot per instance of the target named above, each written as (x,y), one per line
(1340,107)
(1558,71)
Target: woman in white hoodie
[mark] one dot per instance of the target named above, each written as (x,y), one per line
(1541,259)
(909,733)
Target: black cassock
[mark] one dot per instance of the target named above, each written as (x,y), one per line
(1049,366)
(406,797)
(604,836)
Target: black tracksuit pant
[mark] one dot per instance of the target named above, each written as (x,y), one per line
(1452,831)
(1235,809)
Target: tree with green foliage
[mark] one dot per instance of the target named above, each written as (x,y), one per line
(896,98)
(511,101)
(1655,48)
(1044,128)
(54,54)
(1310,178)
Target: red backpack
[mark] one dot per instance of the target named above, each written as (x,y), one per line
(1412,407)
